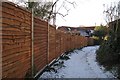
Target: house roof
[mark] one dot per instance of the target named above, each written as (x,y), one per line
(84,31)
(87,28)
(67,28)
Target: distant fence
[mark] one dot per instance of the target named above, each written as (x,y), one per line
(115,24)
(17,42)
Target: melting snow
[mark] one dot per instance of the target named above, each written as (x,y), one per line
(82,64)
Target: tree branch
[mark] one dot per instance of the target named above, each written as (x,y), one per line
(73,3)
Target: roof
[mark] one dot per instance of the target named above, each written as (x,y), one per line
(88,28)
(67,28)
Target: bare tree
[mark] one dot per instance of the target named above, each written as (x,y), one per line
(46,10)
(113,14)
(109,12)
(54,12)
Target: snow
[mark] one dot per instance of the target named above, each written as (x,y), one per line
(82,64)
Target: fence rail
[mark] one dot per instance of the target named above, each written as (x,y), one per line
(17,42)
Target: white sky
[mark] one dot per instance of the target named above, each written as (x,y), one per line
(86,12)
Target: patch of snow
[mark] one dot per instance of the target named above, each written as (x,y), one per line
(82,64)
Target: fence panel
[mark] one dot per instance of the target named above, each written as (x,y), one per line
(62,42)
(90,41)
(52,38)
(16,41)
(40,44)
(58,42)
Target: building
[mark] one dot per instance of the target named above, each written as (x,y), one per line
(84,31)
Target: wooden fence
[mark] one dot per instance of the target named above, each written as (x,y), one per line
(17,42)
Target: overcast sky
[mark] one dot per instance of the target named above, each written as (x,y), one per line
(86,12)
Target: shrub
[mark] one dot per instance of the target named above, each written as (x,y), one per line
(108,54)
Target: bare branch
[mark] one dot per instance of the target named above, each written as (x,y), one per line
(63,15)
(61,6)
(73,3)
(66,9)
(53,8)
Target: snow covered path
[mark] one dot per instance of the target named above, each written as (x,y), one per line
(82,64)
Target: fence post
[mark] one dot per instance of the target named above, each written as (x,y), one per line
(48,45)
(32,43)
(1,41)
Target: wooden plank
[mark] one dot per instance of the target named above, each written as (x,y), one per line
(16,64)
(17,69)
(15,50)
(16,58)
(40,52)
(16,45)
(8,10)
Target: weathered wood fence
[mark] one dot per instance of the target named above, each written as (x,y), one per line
(16,42)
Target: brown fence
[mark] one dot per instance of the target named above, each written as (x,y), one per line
(17,42)
(40,44)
